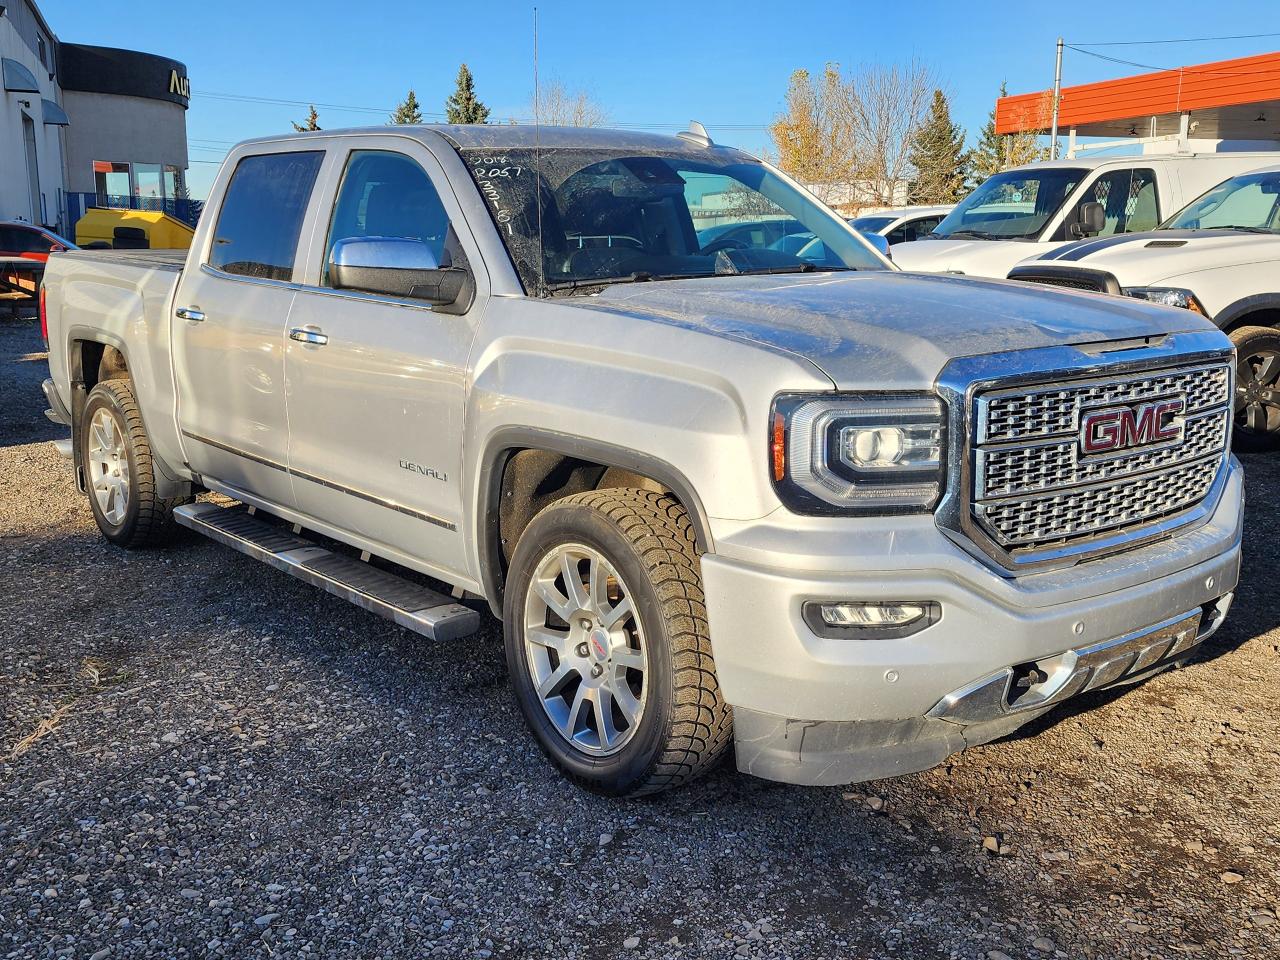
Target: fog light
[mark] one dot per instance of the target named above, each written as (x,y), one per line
(870,618)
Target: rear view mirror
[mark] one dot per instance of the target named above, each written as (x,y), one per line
(1270,186)
(881,243)
(398,267)
(1092,219)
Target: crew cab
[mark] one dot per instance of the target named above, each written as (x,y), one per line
(904,224)
(839,519)
(1220,257)
(1036,208)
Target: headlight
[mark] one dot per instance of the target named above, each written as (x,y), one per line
(870,453)
(1169,296)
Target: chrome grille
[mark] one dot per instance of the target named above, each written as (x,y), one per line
(1033,488)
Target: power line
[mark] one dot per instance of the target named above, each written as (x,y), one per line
(1195,70)
(1142,43)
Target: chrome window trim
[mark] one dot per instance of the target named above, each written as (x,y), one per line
(963,378)
(242,278)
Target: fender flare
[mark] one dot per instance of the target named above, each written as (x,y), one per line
(507,441)
(1246,305)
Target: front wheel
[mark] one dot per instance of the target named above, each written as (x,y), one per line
(1257,400)
(607,643)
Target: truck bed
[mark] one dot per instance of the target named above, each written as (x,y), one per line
(161,259)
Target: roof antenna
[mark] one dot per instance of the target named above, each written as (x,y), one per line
(696,134)
(537,159)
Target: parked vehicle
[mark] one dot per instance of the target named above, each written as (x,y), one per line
(1032,209)
(832,513)
(29,241)
(903,225)
(1218,256)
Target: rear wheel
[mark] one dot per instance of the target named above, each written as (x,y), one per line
(119,469)
(607,643)
(1257,400)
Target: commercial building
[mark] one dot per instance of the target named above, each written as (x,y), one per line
(84,126)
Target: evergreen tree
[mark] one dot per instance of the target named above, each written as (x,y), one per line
(308,124)
(994,153)
(463,106)
(408,111)
(937,154)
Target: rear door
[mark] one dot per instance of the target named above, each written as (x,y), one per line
(375,410)
(229,327)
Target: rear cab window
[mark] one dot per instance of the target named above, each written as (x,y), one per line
(261,215)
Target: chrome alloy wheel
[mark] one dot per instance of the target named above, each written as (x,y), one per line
(1257,406)
(108,466)
(585,649)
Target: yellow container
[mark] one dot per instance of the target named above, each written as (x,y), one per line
(163,231)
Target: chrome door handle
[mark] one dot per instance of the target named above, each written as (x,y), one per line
(303,335)
(190,313)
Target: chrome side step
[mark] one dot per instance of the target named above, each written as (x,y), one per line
(409,604)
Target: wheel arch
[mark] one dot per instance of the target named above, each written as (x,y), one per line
(559,465)
(1260,309)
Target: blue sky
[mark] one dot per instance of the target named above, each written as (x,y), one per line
(656,63)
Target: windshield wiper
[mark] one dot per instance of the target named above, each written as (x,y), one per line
(971,234)
(1236,226)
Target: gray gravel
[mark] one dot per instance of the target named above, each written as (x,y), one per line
(234,764)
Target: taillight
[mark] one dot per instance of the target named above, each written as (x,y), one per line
(44,318)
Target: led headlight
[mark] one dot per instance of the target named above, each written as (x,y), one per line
(1169,296)
(869,453)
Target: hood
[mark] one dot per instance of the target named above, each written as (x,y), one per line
(883,328)
(1146,258)
(976,258)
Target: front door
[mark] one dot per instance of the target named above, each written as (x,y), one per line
(375,410)
(229,328)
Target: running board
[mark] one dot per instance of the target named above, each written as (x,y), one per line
(409,604)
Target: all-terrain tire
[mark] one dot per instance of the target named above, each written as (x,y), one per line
(686,726)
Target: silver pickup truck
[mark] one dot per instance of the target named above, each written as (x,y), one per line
(729,478)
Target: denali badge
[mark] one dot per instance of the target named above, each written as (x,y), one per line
(1118,428)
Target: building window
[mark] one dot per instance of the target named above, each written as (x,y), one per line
(111,179)
(42,50)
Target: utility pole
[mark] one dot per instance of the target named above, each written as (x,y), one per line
(1057,97)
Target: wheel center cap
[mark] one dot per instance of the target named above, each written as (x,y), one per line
(599,644)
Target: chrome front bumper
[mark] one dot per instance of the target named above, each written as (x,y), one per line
(1032,687)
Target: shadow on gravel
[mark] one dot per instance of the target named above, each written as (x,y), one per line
(23,367)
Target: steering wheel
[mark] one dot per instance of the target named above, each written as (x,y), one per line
(724,243)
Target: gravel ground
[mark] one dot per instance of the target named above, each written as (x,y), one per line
(200,757)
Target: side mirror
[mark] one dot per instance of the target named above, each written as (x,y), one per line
(1092,218)
(881,243)
(398,267)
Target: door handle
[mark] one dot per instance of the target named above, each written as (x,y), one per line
(190,313)
(311,336)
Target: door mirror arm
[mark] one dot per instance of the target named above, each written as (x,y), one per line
(400,267)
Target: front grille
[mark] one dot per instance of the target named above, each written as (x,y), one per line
(1033,486)
(1073,283)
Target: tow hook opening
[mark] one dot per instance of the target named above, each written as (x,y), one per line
(1026,678)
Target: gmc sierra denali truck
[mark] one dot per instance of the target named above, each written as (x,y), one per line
(843,519)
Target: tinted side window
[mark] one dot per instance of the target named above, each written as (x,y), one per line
(388,195)
(18,240)
(261,215)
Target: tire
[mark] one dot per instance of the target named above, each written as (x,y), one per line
(622,544)
(120,469)
(1257,400)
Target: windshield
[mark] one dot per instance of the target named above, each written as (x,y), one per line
(871,224)
(609,215)
(1248,202)
(1011,206)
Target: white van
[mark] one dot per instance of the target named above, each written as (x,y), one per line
(1029,210)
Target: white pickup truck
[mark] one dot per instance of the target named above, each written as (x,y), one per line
(1030,210)
(1218,256)
(843,519)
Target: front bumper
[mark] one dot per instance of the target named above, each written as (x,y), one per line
(813,710)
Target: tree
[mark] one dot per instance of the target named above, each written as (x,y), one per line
(463,106)
(556,105)
(308,124)
(937,154)
(408,111)
(995,152)
(813,137)
(889,106)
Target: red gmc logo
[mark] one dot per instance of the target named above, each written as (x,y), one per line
(1105,431)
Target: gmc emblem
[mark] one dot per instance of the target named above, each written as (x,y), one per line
(1105,431)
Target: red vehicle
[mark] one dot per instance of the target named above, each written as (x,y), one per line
(30,242)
